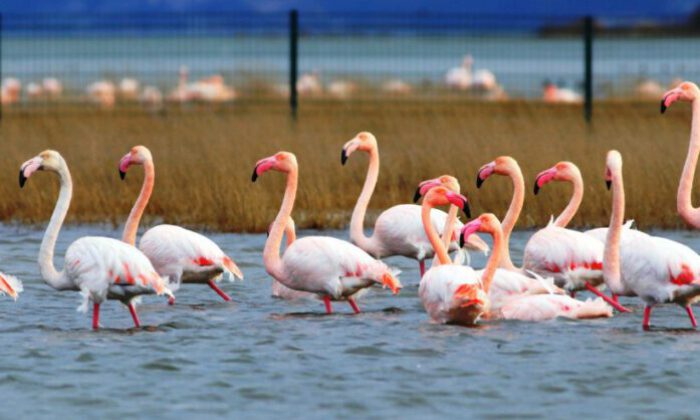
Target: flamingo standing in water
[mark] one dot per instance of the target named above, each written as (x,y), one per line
(100,268)
(657,270)
(180,254)
(451,293)
(398,230)
(331,268)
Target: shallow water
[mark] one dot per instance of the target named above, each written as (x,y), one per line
(264,357)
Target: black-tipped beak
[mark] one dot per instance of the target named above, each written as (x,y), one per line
(479,181)
(537,186)
(663,105)
(122,174)
(461,240)
(417,195)
(255,174)
(467,211)
(22,179)
(343,157)
(608,184)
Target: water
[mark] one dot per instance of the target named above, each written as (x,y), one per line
(269,358)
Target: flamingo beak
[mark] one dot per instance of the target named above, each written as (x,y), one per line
(343,157)
(391,282)
(460,201)
(484,172)
(255,174)
(467,230)
(424,187)
(262,166)
(28,168)
(669,98)
(124,163)
(348,149)
(543,178)
(608,184)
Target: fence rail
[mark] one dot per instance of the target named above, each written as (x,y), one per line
(157,60)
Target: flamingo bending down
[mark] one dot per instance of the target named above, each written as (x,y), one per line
(451,293)
(331,268)
(10,285)
(399,229)
(100,268)
(657,270)
(180,254)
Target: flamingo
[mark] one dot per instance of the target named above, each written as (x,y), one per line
(331,268)
(687,92)
(177,253)
(10,285)
(53,87)
(129,88)
(102,93)
(451,293)
(99,268)
(657,270)
(10,91)
(279,290)
(181,93)
(398,230)
(460,78)
(555,94)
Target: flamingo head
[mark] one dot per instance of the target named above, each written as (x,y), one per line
(613,165)
(562,171)
(502,165)
(447,181)
(280,161)
(138,155)
(48,160)
(363,141)
(486,223)
(441,196)
(686,91)
(390,281)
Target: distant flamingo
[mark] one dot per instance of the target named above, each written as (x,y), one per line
(102,93)
(451,293)
(687,92)
(181,93)
(129,88)
(331,268)
(464,77)
(10,285)
(398,230)
(10,91)
(309,84)
(99,268)
(279,290)
(53,87)
(657,270)
(555,94)
(180,254)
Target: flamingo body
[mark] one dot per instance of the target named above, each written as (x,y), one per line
(544,307)
(438,292)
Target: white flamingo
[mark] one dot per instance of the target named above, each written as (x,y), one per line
(100,268)
(328,267)
(177,253)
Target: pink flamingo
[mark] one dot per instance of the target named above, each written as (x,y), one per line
(687,92)
(451,293)
(10,285)
(100,268)
(398,230)
(180,254)
(331,268)
(657,270)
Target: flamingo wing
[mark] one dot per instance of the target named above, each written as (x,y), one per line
(438,287)
(547,307)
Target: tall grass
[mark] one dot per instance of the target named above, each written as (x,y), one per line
(204,159)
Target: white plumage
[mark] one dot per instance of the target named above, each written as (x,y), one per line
(438,288)
(10,285)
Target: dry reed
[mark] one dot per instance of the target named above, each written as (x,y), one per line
(204,159)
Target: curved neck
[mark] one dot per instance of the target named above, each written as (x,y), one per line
(493,262)
(685,188)
(51,276)
(271,253)
(132,223)
(611,255)
(571,208)
(433,237)
(290,232)
(511,217)
(449,228)
(357,234)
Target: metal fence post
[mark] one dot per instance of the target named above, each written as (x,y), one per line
(1,74)
(588,67)
(293,60)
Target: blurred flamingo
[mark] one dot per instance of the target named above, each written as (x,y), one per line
(10,285)
(102,93)
(53,87)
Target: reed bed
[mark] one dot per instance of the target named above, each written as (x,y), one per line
(204,158)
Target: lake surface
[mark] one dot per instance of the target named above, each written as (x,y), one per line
(263,357)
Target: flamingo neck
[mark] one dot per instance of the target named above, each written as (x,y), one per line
(51,276)
(511,217)
(357,234)
(132,223)
(271,253)
(611,254)
(290,232)
(440,249)
(494,260)
(571,208)
(449,228)
(685,188)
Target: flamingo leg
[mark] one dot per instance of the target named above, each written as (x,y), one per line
(647,316)
(352,303)
(612,302)
(422,267)
(96,316)
(220,292)
(691,315)
(134,315)
(615,298)
(572,294)
(171,300)
(327,302)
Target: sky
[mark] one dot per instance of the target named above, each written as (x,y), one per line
(642,8)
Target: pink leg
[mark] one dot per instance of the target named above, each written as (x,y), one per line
(327,302)
(689,310)
(572,294)
(615,298)
(422,267)
(610,302)
(220,292)
(96,316)
(352,303)
(647,316)
(134,315)
(171,300)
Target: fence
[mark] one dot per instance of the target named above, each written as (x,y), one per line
(157,60)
